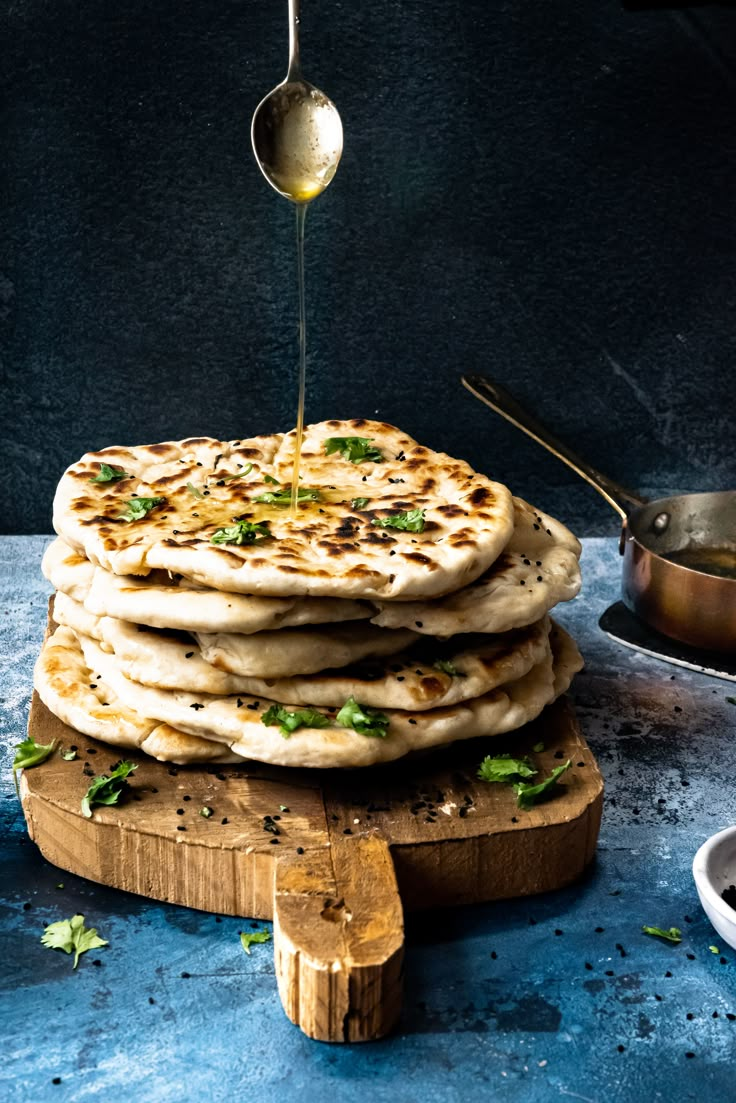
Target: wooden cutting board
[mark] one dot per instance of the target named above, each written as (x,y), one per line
(333,857)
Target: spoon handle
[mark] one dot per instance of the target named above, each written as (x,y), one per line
(295,69)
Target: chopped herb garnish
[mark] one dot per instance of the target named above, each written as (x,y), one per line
(527,794)
(410,521)
(239,475)
(247,938)
(355,449)
(283,497)
(107,789)
(68,756)
(205,812)
(288,722)
(139,507)
(242,532)
(29,753)
(364,720)
(110,474)
(448,667)
(194,490)
(503,767)
(538,748)
(714,949)
(673,934)
(359,503)
(731,700)
(71,936)
(270,479)
(283,808)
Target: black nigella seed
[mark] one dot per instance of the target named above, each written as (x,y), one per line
(558,931)
(559,754)
(56,1080)
(412,721)
(300,850)
(27,906)
(188,654)
(220,776)
(274,842)
(224,820)
(97,962)
(181,827)
(620,1048)
(588,965)
(419,623)
(668,973)
(186,798)
(151,1000)
(689,1054)
(599,930)
(610,973)
(690,1016)
(240,703)
(347,831)
(185,976)
(91,750)
(180,811)
(93,685)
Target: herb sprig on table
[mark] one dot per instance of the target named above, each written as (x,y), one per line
(513,771)
(107,789)
(672,934)
(247,938)
(71,936)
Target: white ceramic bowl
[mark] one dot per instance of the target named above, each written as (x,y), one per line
(714,869)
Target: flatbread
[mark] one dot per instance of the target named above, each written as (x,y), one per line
(166,601)
(300,650)
(329,548)
(408,680)
(537,569)
(81,699)
(68,572)
(237,721)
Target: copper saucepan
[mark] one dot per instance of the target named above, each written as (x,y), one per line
(679,572)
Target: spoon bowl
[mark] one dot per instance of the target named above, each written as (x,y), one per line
(297,139)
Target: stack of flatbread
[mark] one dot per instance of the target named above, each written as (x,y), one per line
(400,603)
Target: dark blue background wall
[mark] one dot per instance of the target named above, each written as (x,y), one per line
(541,191)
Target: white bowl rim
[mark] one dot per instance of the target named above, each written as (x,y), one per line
(702,880)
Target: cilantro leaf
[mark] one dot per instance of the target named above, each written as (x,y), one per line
(247,938)
(194,490)
(288,722)
(110,474)
(283,497)
(71,936)
(364,720)
(139,507)
(29,753)
(205,812)
(503,767)
(359,503)
(538,748)
(239,475)
(527,794)
(107,789)
(410,521)
(242,532)
(674,934)
(355,449)
(270,479)
(448,667)
(68,756)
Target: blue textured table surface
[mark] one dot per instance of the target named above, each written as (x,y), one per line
(559,996)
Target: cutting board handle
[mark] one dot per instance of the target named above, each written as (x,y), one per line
(339,940)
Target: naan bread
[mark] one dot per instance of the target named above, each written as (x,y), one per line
(165,601)
(300,650)
(81,699)
(329,549)
(237,721)
(537,569)
(68,572)
(408,680)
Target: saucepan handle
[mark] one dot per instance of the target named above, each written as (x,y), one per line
(499,399)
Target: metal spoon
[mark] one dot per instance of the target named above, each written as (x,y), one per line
(296,130)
